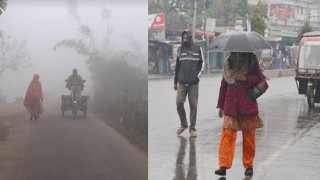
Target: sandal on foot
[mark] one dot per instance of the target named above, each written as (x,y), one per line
(180,130)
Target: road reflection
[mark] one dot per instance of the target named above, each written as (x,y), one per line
(305,120)
(191,167)
(222,178)
(288,123)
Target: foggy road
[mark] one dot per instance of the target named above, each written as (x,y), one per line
(286,147)
(56,147)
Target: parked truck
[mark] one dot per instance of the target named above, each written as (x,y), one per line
(308,67)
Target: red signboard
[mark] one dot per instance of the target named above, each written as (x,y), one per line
(156,21)
(281,12)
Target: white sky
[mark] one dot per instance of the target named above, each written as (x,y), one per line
(44,23)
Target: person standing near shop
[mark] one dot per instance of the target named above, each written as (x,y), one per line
(189,67)
(160,60)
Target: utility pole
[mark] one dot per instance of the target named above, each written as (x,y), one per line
(318,14)
(194,19)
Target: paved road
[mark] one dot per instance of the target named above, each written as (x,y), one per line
(61,148)
(287,146)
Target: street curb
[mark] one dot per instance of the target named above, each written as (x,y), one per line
(267,73)
(279,73)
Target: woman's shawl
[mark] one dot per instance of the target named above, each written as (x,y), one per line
(33,93)
(232,66)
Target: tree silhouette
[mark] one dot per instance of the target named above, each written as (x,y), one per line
(3,5)
(304,29)
(13,53)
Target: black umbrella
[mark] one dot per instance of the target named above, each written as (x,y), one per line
(239,41)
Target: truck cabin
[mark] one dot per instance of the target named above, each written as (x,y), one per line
(309,54)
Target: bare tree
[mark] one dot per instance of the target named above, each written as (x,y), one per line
(84,45)
(13,53)
(105,15)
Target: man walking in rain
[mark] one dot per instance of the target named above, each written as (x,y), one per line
(241,84)
(189,66)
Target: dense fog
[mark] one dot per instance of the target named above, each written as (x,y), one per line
(43,24)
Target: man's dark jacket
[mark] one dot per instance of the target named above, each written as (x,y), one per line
(189,64)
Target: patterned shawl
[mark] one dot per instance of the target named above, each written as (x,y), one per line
(233,65)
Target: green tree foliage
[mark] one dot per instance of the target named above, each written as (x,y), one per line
(304,29)
(154,7)
(226,11)
(178,13)
(3,5)
(261,8)
(176,21)
(257,22)
(242,8)
(223,11)
(13,53)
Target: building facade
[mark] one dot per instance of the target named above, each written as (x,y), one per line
(294,13)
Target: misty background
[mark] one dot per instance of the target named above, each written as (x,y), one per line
(105,40)
(43,24)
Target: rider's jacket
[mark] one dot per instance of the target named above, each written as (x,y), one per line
(74,80)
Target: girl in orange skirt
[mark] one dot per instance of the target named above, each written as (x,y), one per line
(239,107)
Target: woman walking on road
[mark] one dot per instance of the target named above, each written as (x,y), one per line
(241,84)
(34,98)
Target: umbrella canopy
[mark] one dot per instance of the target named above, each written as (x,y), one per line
(239,41)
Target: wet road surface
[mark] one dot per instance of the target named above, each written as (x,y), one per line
(287,147)
(62,148)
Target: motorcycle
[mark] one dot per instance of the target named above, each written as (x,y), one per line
(74,102)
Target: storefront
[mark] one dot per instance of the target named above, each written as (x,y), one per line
(161,56)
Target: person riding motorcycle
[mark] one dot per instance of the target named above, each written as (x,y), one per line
(75,81)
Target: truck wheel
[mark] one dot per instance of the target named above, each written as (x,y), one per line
(310,96)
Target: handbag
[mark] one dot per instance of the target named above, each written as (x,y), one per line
(258,90)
